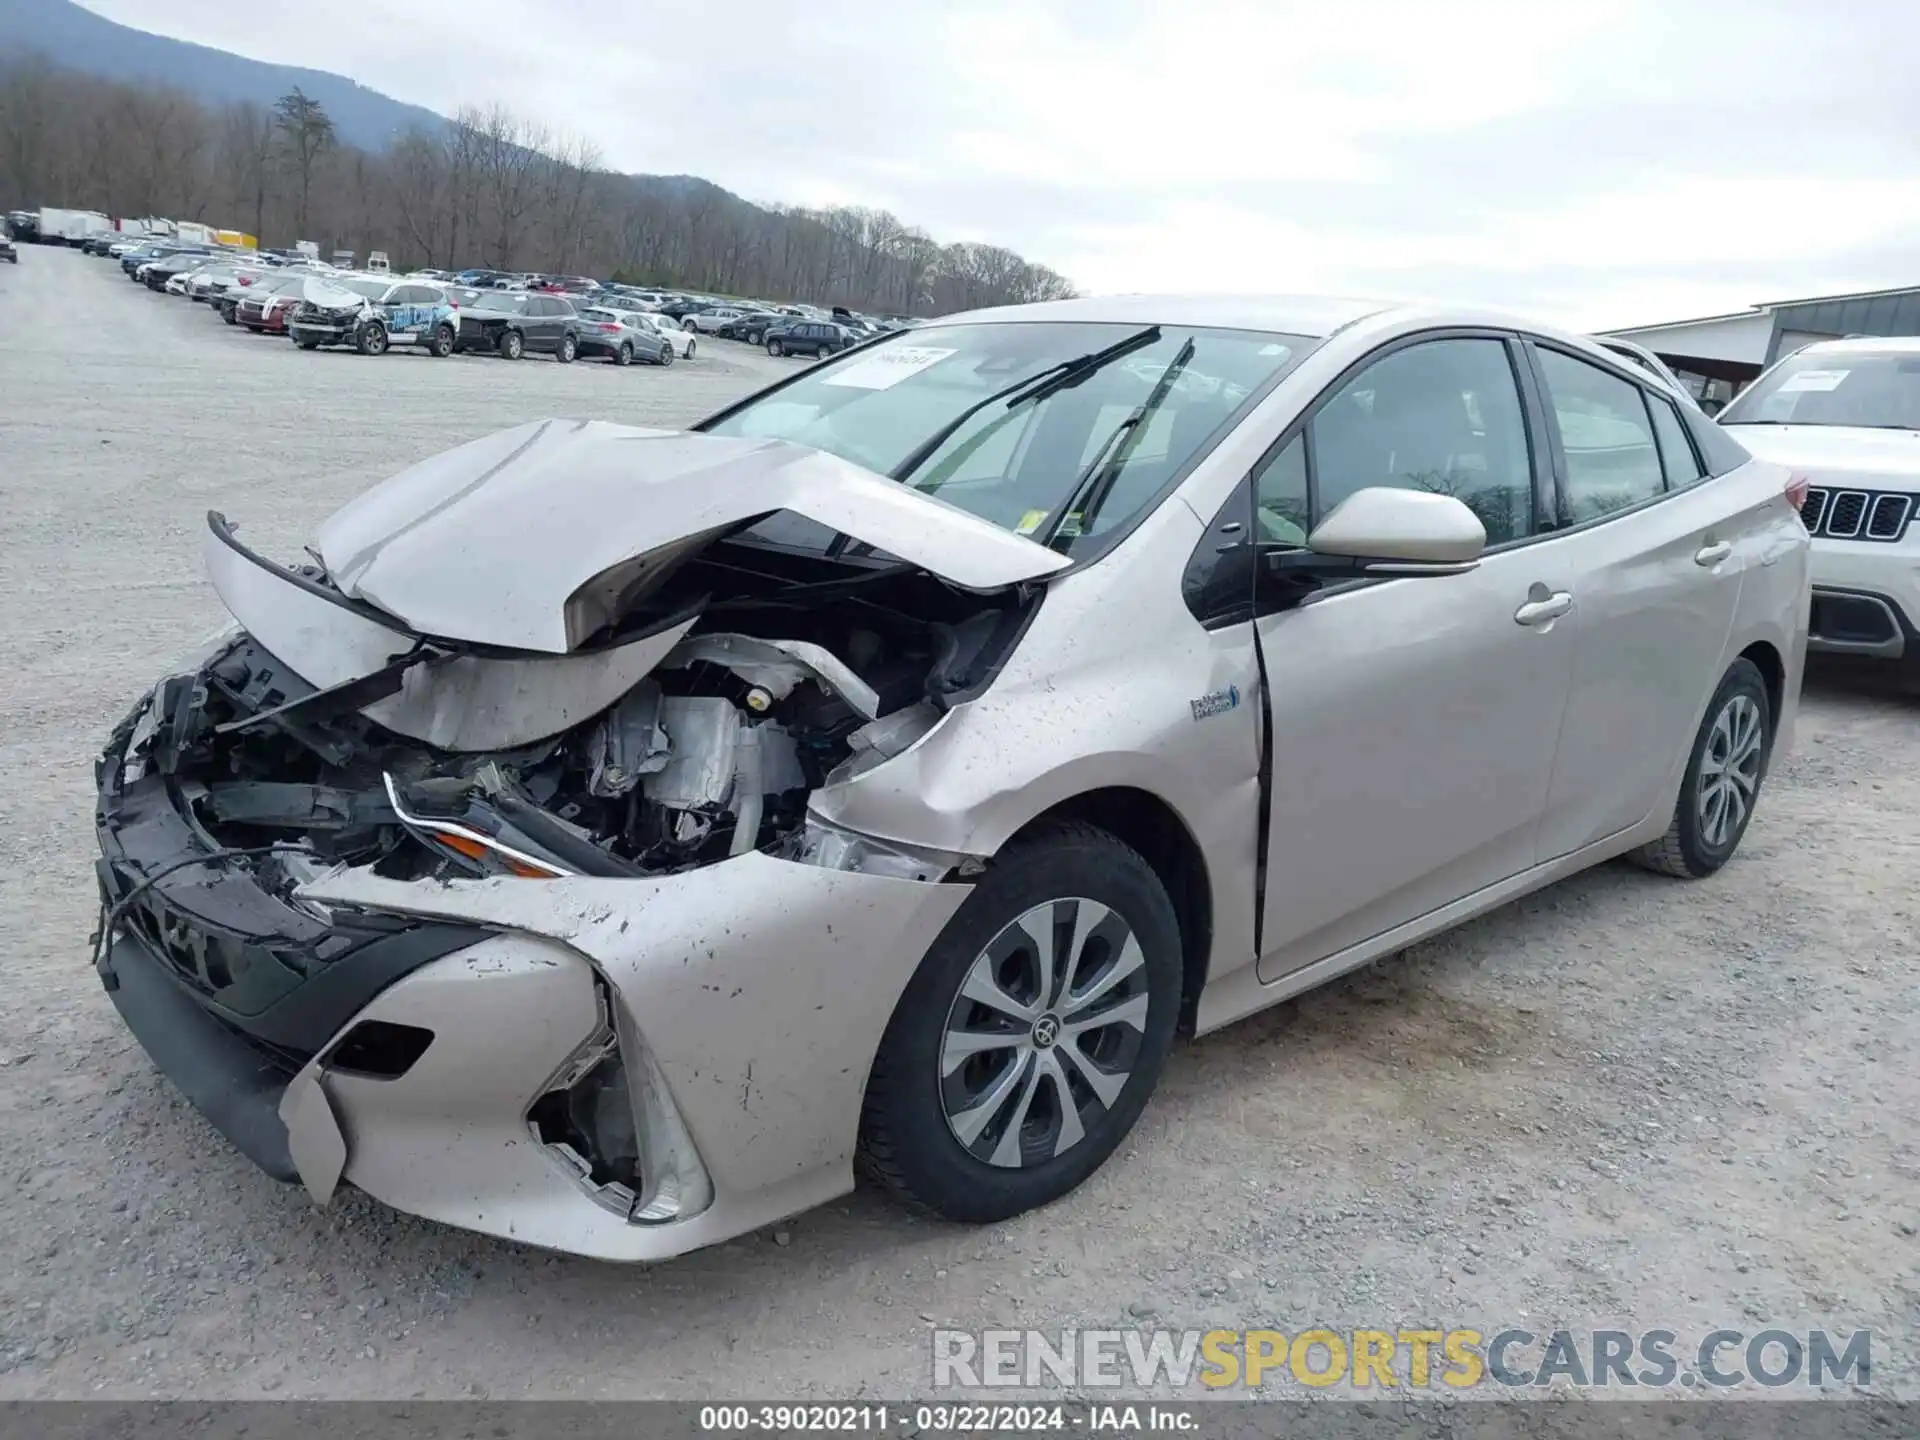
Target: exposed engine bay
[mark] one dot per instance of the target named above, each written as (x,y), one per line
(768,673)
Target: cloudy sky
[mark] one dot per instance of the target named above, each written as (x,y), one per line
(1597,162)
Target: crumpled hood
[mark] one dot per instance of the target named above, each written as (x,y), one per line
(318,290)
(493,542)
(1835,449)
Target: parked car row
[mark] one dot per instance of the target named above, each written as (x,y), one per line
(318,305)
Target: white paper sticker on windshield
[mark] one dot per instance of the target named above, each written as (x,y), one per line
(886,367)
(1813,380)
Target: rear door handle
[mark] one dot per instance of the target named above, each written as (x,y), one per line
(1539,612)
(1713,554)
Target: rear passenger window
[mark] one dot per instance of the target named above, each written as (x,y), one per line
(1611,458)
(1677,460)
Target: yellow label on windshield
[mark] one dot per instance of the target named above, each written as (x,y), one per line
(1030,522)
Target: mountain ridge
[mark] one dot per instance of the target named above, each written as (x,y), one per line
(81,40)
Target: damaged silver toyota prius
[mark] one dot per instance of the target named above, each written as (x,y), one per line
(606,837)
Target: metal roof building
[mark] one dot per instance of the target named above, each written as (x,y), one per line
(1720,353)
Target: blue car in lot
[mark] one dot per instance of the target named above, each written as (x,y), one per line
(373,312)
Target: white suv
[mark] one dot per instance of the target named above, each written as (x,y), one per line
(1845,414)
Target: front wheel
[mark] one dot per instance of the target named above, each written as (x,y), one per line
(688,325)
(691,347)
(441,345)
(666,355)
(1029,1039)
(306,344)
(1722,782)
(776,349)
(569,347)
(512,345)
(372,339)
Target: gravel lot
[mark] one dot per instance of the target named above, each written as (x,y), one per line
(1625,1101)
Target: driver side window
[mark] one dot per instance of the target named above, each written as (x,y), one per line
(1442,416)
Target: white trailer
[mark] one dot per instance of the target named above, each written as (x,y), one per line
(70,227)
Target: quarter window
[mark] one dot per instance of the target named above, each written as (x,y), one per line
(1677,459)
(1611,458)
(1282,514)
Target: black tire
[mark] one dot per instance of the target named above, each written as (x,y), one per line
(441,345)
(692,345)
(907,1142)
(688,325)
(371,339)
(306,344)
(569,347)
(512,345)
(624,355)
(666,354)
(230,314)
(1689,849)
(776,349)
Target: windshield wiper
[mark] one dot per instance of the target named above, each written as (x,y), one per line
(1053,379)
(1092,486)
(1033,387)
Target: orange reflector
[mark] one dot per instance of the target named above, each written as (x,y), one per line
(474,850)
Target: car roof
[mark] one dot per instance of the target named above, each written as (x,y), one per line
(1865,344)
(1315,315)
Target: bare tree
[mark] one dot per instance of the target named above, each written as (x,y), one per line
(508,155)
(419,174)
(306,133)
(493,188)
(247,135)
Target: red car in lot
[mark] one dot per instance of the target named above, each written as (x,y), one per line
(268,304)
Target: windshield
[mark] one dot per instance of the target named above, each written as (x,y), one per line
(501,300)
(1006,445)
(371,289)
(1876,389)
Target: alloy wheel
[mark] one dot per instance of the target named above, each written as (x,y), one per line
(1730,770)
(1044,1033)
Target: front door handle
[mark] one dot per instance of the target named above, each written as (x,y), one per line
(1713,554)
(1539,612)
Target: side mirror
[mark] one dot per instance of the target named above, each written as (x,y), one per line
(1382,531)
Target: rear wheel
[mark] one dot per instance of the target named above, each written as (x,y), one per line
(624,355)
(1028,1041)
(441,345)
(512,345)
(1722,782)
(569,347)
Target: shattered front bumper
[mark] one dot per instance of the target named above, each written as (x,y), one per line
(324,329)
(748,999)
(228,988)
(745,1001)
